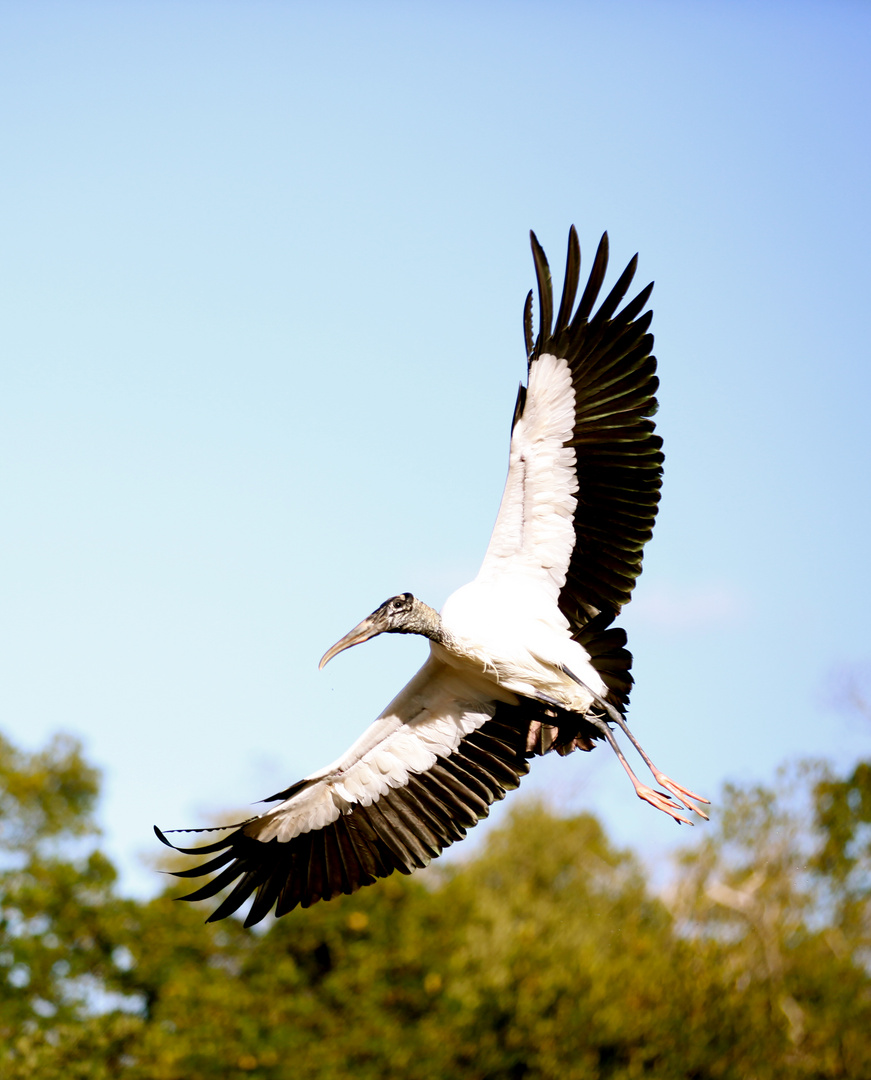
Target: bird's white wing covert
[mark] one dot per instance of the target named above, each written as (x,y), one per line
(426,771)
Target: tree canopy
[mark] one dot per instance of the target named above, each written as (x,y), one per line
(547,953)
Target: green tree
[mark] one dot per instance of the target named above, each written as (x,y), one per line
(59,918)
(545,954)
(753,890)
(568,966)
(843,818)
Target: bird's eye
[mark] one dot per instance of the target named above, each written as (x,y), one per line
(398,604)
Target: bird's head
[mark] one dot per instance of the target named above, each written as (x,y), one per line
(403,614)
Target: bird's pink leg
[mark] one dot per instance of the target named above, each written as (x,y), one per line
(658,799)
(683,794)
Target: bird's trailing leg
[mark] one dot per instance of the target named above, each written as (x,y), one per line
(684,795)
(656,798)
(680,792)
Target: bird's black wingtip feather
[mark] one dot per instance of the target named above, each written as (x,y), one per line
(204,849)
(570,283)
(545,289)
(527,324)
(162,838)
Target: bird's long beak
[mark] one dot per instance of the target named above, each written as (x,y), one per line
(368,628)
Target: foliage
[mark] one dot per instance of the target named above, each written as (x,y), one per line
(547,954)
(844,808)
(753,890)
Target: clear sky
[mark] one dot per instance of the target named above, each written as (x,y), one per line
(263,267)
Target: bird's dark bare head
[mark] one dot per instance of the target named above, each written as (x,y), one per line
(402,614)
(395,607)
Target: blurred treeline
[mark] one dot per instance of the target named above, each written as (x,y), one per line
(547,953)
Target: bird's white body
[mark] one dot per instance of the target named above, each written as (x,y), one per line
(510,632)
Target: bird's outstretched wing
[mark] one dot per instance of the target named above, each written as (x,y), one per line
(585,465)
(426,771)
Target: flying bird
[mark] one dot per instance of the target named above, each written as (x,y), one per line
(523,660)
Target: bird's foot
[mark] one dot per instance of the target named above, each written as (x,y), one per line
(683,794)
(662,802)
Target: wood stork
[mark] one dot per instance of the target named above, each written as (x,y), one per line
(523,659)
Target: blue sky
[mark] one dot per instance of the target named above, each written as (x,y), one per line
(262,278)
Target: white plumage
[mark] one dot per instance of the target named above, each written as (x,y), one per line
(523,659)
(534,533)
